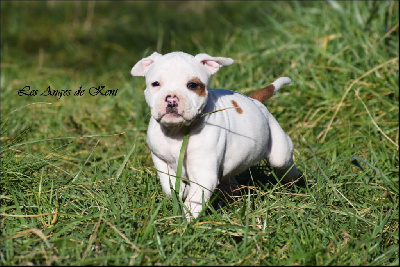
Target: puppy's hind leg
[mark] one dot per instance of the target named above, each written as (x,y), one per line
(280,153)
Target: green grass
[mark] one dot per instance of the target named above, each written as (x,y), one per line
(77,183)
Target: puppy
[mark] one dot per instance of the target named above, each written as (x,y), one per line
(229,132)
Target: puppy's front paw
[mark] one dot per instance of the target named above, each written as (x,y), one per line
(192,209)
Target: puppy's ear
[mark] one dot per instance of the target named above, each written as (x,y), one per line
(143,65)
(212,64)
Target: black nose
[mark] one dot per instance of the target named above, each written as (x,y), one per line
(172,101)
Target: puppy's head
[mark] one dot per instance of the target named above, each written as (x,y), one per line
(176,84)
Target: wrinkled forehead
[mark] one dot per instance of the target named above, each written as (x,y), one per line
(176,69)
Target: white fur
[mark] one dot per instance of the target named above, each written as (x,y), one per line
(221,144)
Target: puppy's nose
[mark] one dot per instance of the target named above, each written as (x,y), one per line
(172,101)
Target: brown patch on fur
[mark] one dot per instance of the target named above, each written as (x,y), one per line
(263,94)
(238,108)
(201,88)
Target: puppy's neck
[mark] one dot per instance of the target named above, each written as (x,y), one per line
(175,132)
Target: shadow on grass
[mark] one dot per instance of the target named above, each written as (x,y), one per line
(254,179)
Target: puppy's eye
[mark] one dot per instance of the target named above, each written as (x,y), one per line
(155,84)
(192,85)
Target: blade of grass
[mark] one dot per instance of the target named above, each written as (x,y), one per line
(84,164)
(150,224)
(121,168)
(62,138)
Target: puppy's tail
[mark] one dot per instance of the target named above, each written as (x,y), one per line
(265,93)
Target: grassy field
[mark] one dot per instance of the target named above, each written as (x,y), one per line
(78,186)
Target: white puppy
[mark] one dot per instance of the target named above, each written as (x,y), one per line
(221,144)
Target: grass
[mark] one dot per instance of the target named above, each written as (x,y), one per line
(77,183)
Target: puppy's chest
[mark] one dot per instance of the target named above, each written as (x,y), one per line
(165,148)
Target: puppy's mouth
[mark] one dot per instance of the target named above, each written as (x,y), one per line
(171,115)
(171,118)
